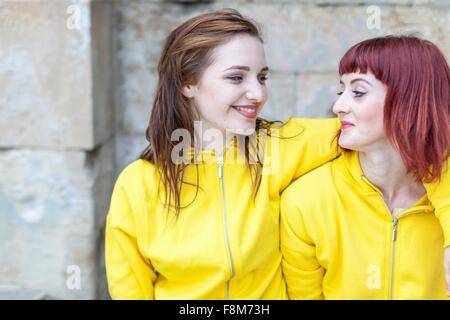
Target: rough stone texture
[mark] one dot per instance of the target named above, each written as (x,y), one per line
(63,85)
(281,96)
(298,37)
(349,2)
(47,221)
(57,157)
(128,148)
(138,90)
(316,93)
(311,38)
(102,99)
(52,216)
(304,40)
(18,293)
(45,76)
(379,2)
(75,104)
(102,163)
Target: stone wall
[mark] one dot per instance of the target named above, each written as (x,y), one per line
(56,147)
(304,41)
(77,80)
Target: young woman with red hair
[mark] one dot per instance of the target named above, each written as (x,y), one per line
(362,226)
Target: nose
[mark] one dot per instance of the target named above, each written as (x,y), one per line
(341,106)
(256,92)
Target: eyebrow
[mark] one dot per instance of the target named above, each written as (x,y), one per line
(357,79)
(245,68)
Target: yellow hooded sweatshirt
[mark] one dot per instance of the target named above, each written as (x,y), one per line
(223,245)
(340,241)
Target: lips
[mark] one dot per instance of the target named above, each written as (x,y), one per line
(248,111)
(346,125)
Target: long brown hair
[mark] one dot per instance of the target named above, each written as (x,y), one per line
(187,52)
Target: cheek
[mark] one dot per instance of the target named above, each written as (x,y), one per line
(265,97)
(220,95)
(208,100)
(371,119)
(371,113)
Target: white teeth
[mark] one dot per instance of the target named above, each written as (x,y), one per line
(248,110)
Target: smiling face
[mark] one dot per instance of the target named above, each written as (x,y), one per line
(360,109)
(232,89)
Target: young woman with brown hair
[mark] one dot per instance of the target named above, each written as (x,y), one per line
(199,218)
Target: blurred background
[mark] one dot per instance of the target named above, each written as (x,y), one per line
(77,79)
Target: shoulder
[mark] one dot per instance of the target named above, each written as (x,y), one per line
(136,170)
(134,189)
(309,127)
(299,133)
(294,129)
(137,177)
(306,203)
(311,189)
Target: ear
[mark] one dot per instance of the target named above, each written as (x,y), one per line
(188,91)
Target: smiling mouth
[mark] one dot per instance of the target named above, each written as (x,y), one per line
(247,111)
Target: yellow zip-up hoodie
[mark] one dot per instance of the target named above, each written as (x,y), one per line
(224,245)
(340,241)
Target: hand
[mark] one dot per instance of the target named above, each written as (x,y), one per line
(447,268)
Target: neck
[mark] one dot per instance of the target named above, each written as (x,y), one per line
(211,138)
(384,167)
(217,145)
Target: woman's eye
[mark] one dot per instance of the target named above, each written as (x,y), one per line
(235,78)
(358,94)
(263,78)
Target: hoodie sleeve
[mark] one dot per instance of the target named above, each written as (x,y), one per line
(439,195)
(129,274)
(301,268)
(304,145)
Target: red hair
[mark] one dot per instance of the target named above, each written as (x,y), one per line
(417,104)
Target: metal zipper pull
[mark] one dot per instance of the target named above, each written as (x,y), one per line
(394,237)
(394,229)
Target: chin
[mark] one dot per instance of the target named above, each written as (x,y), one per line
(347,144)
(243,130)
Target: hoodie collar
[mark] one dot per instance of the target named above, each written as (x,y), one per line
(350,161)
(233,153)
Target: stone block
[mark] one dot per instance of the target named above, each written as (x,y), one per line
(45,75)
(48,223)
